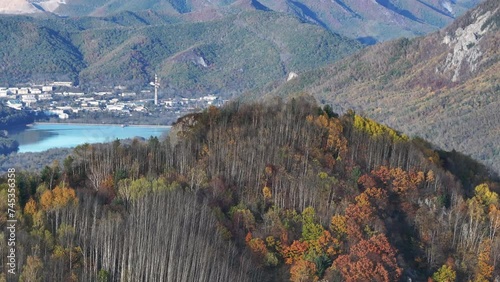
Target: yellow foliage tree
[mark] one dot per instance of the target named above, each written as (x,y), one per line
(484,206)
(484,270)
(63,196)
(338,226)
(430,176)
(267,193)
(57,198)
(485,196)
(444,274)
(30,208)
(46,200)
(377,129)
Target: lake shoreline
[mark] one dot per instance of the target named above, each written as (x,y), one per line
(97,124)
(43,136)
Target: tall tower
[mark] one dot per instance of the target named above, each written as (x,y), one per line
(156,89)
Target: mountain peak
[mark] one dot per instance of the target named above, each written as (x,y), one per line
(17,7)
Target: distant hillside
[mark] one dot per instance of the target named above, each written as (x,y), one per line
(380,20)
(368,20)
(233,54)
(443,87)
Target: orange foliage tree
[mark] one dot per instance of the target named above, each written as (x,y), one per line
(53,201)
(303,271)
(362,214)
(295,251)
(256,245)
(370,260)
(399,180)
(57,198)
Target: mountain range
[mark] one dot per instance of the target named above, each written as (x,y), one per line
(368,20)
(443,87)
(232,54)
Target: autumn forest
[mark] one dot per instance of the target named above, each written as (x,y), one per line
(286,191)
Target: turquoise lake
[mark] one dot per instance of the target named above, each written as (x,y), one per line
(41,137)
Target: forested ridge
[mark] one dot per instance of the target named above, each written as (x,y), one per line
(443,91)
(191,58)
(252,192)
(10,118)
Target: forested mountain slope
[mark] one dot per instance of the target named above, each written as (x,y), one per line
(369,21)
(375,21)
(282,192)
(230,55)
(443,87)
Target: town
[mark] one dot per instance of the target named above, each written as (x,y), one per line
(64,101)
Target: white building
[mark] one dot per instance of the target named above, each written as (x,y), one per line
(86,99)
(118,107)
(23,91)
(63,83)
(209,98)
(35,91)
(102,93)
(45,97)
(60,113)
(30,98)
(92,109)
(73,93)
(47,88)
(140,109)
(128,94)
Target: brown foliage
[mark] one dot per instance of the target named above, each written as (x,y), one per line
(367,181)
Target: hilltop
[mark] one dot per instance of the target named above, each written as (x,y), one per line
(443,87)
(253,192)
